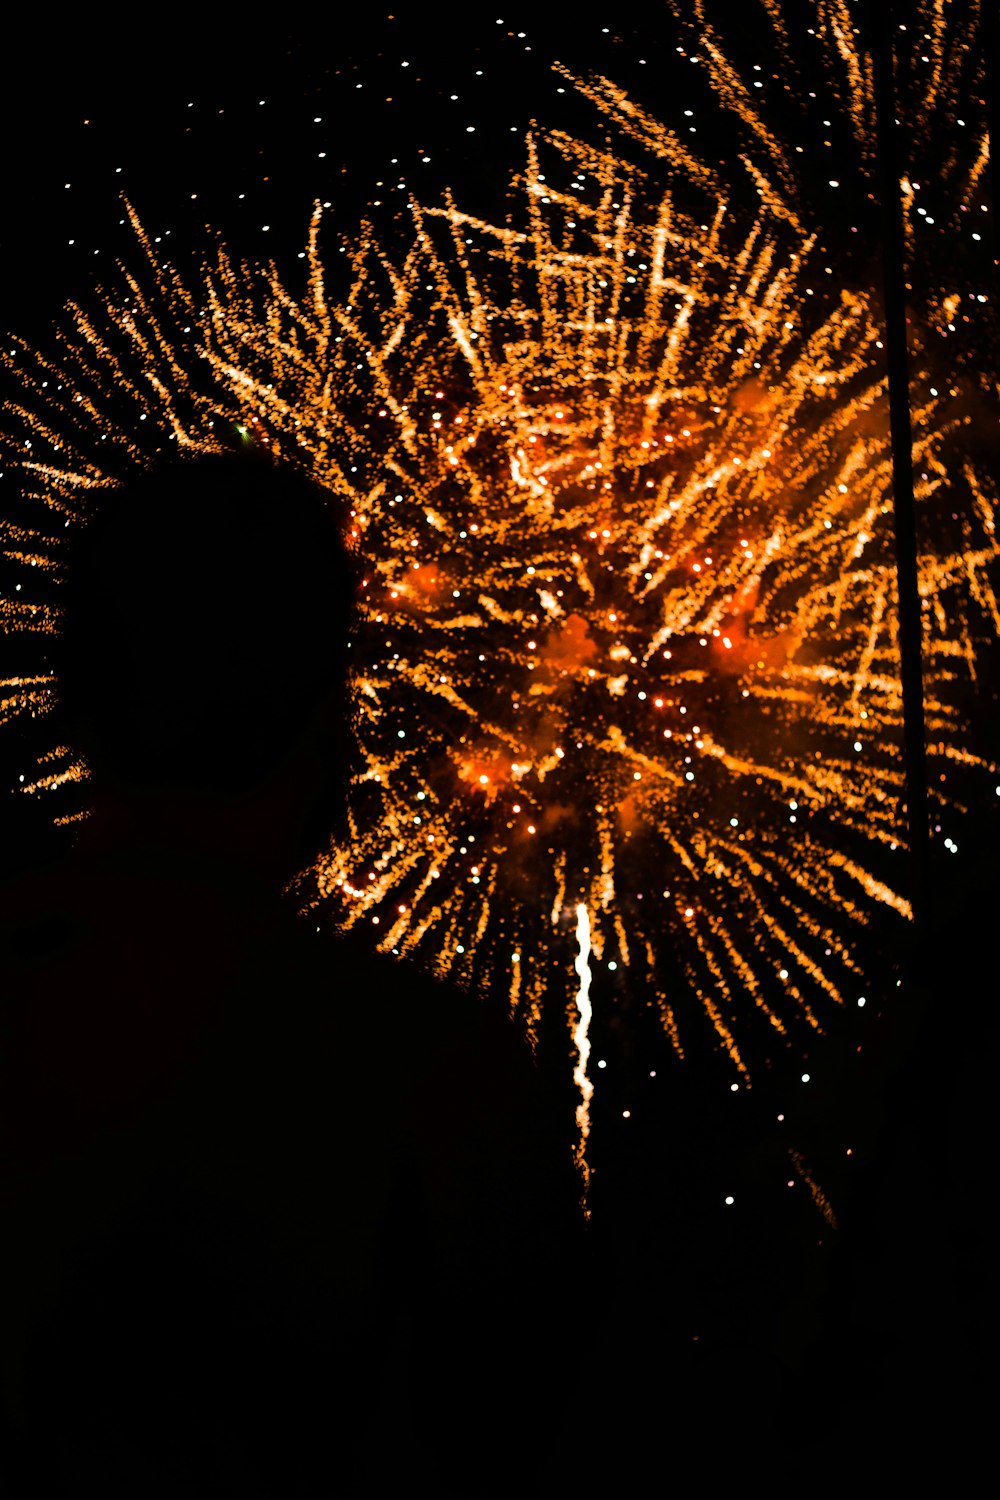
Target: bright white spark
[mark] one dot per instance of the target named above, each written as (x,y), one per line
(581,1041)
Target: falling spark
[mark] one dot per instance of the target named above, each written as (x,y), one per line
(581,1042)
(819,1197)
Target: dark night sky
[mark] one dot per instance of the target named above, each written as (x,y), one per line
(754,1324)
(343,109)
(178,124)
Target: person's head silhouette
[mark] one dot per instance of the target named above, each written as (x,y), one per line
(202,667)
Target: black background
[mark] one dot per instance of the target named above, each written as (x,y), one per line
(726,1339)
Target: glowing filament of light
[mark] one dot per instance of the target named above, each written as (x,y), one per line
(581,1041)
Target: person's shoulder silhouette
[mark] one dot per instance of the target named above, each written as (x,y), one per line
(253,1173)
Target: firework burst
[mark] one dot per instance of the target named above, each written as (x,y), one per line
(620,470)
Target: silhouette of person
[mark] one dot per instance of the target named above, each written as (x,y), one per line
(280,1217)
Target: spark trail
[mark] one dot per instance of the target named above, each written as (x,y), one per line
(581,1041)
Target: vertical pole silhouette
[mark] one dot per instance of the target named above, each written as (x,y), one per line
(889,173)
